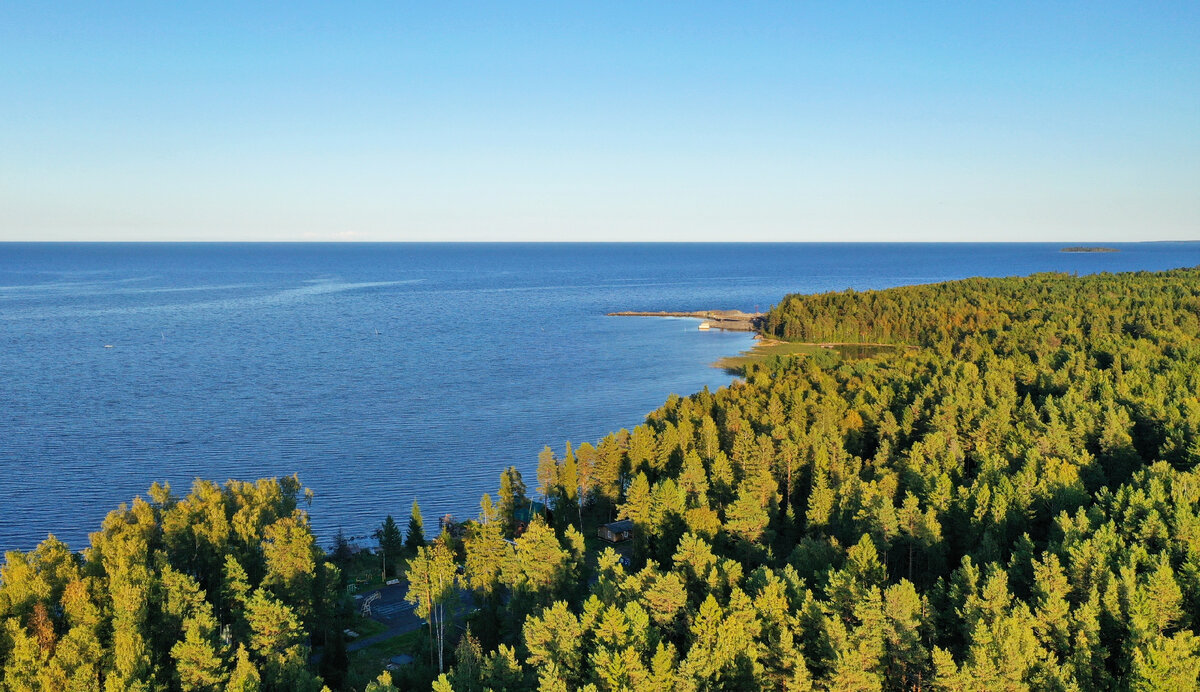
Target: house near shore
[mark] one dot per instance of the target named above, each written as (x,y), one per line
(617,531)
(523,516)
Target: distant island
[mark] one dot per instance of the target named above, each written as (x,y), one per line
(1081,248)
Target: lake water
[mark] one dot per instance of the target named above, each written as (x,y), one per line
(382,373)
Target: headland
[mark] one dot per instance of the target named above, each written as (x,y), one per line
(730,320)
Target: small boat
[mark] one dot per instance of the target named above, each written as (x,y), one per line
(704,325)
(107,345)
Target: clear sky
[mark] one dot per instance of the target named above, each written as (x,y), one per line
(600,121)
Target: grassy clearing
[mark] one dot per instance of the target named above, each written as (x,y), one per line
(769,348)
(764,349)
(366,627)
(382,652)
(366,664)
(364,571)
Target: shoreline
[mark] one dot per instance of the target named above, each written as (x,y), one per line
(768,347)
(728,320)
(765,346)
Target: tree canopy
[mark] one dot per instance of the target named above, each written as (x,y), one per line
(222,589)
(1011,501)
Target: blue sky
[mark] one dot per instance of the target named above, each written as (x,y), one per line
(600,121)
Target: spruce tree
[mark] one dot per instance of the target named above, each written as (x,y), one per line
(416,530)
(512,499)
(391,544)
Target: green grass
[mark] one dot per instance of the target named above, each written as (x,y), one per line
(762,351)
(366,664)
(364,572)
(383,651)
(366,627)
(736,365)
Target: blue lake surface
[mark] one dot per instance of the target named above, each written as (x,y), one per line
(383,372)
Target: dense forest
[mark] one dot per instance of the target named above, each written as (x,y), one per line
(1014,503)
(224,589)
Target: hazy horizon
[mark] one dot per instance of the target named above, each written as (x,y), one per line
(585,241)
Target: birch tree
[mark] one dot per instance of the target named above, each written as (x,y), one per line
(433,590)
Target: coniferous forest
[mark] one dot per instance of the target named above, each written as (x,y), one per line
(1009,499)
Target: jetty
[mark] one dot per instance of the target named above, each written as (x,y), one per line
(730,320)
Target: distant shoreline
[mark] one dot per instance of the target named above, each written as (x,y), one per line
(767,347)
(764,346)
(729,320)
(1081,248)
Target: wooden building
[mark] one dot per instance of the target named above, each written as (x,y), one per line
(617,531)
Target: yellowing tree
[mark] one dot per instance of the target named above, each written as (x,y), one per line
(432,589)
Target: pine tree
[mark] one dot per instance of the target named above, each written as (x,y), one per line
(199,664)
(587,459)
(416,530)
(488,511)
(467,673)
(568,483)
(276,636)
(245,677)
(290,552)
(639,507)
(639,504)
(554,638)
(512,499)
(547,476)
(487,552)
(383,683)
(541,566)
(391,544)
(746,517)
(1167,663)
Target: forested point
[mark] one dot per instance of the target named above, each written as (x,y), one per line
(1014,504)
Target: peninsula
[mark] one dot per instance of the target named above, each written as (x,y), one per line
(1084,248)
(731,320)
(819,524)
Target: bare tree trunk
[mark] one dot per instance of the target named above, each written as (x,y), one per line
(432,620)
(441,628)
(579,503)
(787,496)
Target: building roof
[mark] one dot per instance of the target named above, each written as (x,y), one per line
(526,513)
(619,526)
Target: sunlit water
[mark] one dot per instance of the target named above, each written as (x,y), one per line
(381,373)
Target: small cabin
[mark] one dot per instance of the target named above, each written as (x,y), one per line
(526,512)
(617,531)
(523,516)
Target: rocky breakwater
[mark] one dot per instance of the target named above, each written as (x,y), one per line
(731,320)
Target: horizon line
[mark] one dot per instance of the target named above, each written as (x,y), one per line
(1099,243)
